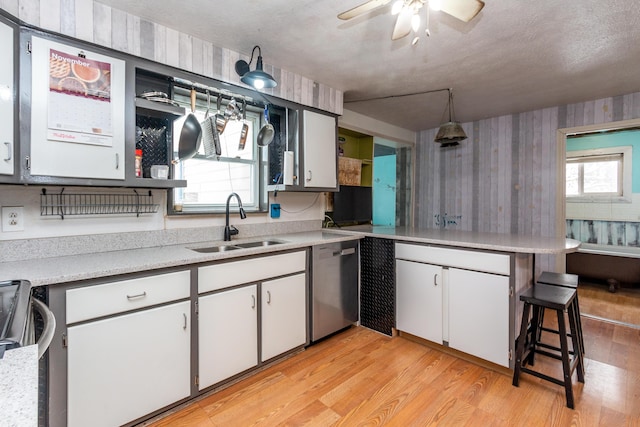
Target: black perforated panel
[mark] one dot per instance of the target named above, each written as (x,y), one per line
(152,136)
(378,296)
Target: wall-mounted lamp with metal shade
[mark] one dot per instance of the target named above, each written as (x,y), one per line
(451,132)
(256,78)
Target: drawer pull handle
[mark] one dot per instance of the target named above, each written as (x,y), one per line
(268,297)
(253,306)
(8,145)
(435,280)
(185,322)
(142,295)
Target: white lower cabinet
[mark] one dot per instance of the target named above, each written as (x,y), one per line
(284,323)
(249,311)
(419,299)
(463,308)
(227,334)
(479,314)
(124,367)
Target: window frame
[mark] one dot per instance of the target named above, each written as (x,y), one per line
(581,157)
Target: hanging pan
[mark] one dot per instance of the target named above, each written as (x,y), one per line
(191,133)
(266,134)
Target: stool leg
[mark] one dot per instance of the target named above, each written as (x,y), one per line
(566,368)
(579,323)
(540,325)
(577,348)
(520,343)
(535,333)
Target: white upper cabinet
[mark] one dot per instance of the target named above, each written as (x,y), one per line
(7,100)
(320,155)
(77,112)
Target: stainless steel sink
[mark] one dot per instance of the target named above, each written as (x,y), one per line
(247,245)
(210,249)
(259,243)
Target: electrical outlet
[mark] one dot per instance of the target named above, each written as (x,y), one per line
(13,218)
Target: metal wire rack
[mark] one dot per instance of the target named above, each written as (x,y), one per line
(61,204)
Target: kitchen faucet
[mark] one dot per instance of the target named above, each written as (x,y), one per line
(231,230)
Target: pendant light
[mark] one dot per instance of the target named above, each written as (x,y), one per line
(256,78)
(451,132)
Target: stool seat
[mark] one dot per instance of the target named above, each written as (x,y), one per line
(553,297)
(559,279)
(536,300)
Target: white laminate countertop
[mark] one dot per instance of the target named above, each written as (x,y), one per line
(55,270)
(47,271)
(19,387)
(471,239)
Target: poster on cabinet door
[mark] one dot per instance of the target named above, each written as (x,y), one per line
(79,100)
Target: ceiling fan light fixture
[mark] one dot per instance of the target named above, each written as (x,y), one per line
(415,22)
(257,78)
(397,7)
(435,5)
(451,132)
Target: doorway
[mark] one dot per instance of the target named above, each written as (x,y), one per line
(375,177)
(602,208)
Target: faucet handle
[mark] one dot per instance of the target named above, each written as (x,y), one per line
(233,230)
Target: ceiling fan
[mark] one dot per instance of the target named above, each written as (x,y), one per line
(408,12)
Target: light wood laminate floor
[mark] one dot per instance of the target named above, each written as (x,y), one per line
(620,306)
(362,378)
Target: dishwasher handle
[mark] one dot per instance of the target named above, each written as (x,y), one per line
(343,252)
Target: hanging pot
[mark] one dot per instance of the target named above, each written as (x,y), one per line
(245,127)
(191,133)
(221,120)
(267,132)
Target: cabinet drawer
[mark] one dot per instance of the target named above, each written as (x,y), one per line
(220,276)
(110,298)
(470,260)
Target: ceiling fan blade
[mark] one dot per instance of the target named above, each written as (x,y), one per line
(403,24)
(464,10)
(363,8)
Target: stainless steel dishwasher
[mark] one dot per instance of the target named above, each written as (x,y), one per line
(334,288)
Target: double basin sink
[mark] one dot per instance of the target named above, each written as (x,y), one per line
(236,246)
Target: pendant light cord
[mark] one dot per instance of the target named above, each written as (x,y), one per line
(400,96)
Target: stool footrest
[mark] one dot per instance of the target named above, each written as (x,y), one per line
(541,375)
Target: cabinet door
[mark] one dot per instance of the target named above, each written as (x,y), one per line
(419,299)
(227,334)
(77,112)
(122,368)
(320,157)
(284,315)
(7,101)
(479,314)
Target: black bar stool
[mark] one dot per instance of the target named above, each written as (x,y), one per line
(566,281)
(538,298)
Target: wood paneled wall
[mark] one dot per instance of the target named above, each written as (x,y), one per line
(503,178)
(97,23)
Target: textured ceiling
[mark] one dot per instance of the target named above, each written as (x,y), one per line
(515,56)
